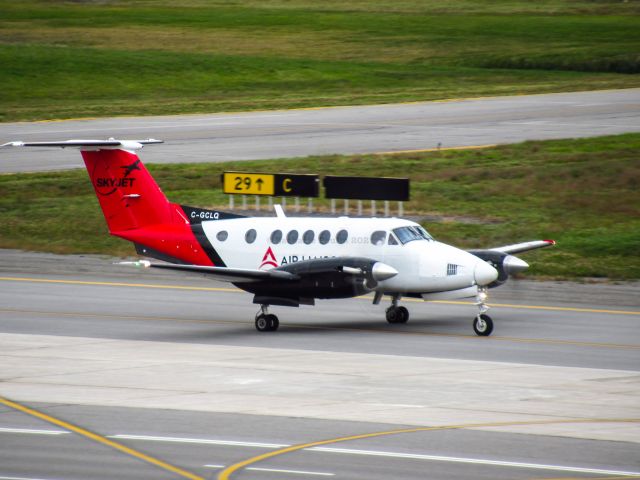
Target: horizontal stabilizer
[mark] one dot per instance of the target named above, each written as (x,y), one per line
(111,143)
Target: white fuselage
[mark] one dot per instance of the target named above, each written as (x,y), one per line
(424,265)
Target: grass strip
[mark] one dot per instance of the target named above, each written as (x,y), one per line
(583,193)
(70,59)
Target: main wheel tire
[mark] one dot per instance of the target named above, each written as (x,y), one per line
(403,315)
(392,315)
(274,323)
(483,325)
(263,323)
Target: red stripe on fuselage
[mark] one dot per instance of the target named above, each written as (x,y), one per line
(174,239)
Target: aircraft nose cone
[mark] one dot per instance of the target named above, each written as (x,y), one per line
(381,271)
(484,273)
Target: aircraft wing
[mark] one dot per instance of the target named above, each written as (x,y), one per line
(221,273)
(339,266)
(524,247)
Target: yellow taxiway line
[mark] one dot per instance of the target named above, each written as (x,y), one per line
(236,290)
(437,149)
(230,470)
(119,284)
(100,439)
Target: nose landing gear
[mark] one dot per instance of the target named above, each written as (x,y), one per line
(482,324)
(265,321)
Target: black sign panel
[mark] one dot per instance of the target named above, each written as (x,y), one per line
(289,185)
(367,188)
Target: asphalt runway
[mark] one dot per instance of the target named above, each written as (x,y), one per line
(346,130)
(205,443)
(107,372)
(206,312)
(171,368)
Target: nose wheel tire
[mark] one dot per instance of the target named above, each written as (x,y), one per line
(267,323)
(397,315)
(483,325)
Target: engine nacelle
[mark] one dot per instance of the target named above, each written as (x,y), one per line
(504,263)
(335,277)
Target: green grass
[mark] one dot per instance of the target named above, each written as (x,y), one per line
(583,193)
(68,59)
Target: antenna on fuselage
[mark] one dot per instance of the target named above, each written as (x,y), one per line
(279,211)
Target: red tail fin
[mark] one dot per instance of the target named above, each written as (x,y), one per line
(128,195)
(136,209)
(134,206)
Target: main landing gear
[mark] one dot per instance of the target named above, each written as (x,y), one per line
(482,324)
(265,321)
(396,314)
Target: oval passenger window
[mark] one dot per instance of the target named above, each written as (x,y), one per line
(378,237)
(324,237)
(250,236)
(292,237)
(276,236)
(307,238)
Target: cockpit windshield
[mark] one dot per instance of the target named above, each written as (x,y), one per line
(409,234)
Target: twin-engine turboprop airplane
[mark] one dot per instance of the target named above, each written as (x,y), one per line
(284,260)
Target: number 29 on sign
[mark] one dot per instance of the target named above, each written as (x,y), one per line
(248,183)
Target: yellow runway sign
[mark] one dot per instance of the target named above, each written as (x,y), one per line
(278,184)
(248,183)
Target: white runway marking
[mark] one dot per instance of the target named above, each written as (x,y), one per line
(22,478)
(344,451)
(202,441)
(32,431)
(480,461)
(279,470)
(299,472)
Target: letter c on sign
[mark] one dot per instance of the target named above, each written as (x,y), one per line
(285,185)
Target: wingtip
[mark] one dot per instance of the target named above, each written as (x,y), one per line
(137,263)
(12,144)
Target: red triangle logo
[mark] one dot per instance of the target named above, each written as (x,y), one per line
(269,259)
